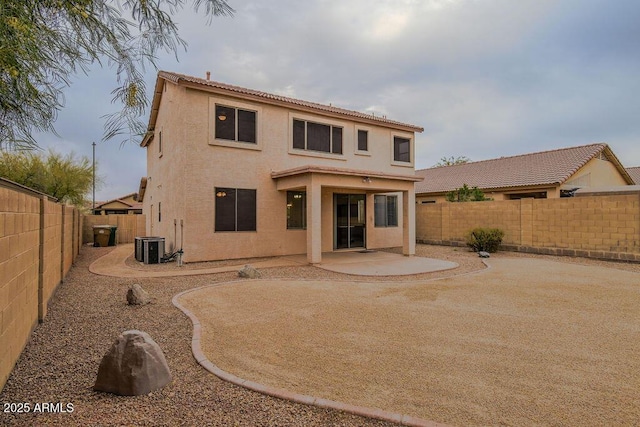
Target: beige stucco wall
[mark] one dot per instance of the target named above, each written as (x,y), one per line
(597,173)
(192,163)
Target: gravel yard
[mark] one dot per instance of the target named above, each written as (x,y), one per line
(88,312)
(527,342)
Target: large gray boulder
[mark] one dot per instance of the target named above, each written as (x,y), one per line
(248,272)
(134,365)
(137,296)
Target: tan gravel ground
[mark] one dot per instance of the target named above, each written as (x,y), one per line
(86,314)
(529,342)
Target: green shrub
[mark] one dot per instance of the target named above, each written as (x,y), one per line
(485,239)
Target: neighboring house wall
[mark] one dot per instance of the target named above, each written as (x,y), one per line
(39,240)
(548,174)
(596,226)
(596,173)
(124,205)
(184,173)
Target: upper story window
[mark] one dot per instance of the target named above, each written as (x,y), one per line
(401,149)
(363,140)
(317,137)
(235,124)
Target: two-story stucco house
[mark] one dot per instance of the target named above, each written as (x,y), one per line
(235,173)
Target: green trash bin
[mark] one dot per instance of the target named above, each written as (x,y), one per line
(112,235)
(101,235)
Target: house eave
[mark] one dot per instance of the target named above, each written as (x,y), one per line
(266,98)
(342,171)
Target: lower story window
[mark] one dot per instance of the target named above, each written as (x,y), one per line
(296,210)
(386,211)
(235,209)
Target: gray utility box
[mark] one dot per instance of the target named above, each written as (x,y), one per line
(153,250)
(139,248)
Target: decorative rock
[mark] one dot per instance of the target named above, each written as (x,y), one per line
(248,272)
(134,365)
(137,296)
(483,254)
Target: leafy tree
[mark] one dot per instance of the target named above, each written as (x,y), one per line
(450,161)
(43,43)
(466,194)
(64,177)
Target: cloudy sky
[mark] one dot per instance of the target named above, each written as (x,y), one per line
(485,78)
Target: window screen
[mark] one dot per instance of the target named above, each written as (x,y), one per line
(225,123)
(318,137)
(247,126)
(336,140)
(246,210)
(298,134)
(363,140)
(296,209)
(235,209)
(401,149)
(385,211)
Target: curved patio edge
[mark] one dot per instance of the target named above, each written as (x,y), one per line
(367,412)
(113,264)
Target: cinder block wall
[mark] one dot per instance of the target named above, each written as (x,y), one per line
(36,251)
(605,227)
(19,264)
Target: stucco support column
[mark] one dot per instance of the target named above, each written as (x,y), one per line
(314,222)
(409,222)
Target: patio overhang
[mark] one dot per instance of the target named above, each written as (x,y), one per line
(343,171)
(344,178)
(316,179)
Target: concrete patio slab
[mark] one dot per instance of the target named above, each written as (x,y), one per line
(376,263)
(363,263)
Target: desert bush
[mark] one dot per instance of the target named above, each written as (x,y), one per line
(485,239)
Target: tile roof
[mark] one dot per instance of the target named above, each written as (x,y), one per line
(634,172)
(534,169)
(278,99)
(121,199)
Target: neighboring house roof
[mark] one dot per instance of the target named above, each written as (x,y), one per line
(122,200)
(264,97)
(552,167)
(634,172)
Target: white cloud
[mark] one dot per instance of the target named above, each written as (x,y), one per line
(485,78)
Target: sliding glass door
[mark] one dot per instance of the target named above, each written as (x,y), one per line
(349,217)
